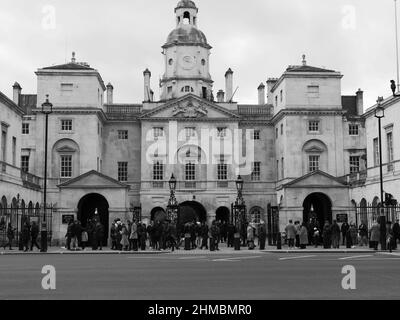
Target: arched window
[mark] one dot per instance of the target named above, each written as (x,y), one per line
(315,156)
(186,18)
(65,159)
(187,89)
(30,208)
(255,215)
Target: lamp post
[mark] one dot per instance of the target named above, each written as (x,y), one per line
(173,207)
(239,208)
(379,114)
(47,109)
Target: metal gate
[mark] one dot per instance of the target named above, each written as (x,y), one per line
(273,225)
(369,214)
(18,217)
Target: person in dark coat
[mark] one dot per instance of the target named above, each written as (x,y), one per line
(10,236)
(204,236)
(99,235)
(262,235)
(375,235)
(34,235)
(142,237)
(172,236)
(192,231)
(344,228)
(113,235)
(231,234)
(396,233)
(215,232)
(335,235)
(363,230)
(69,235)
(26,235)
(327,235)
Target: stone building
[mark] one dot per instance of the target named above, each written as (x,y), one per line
(295,149)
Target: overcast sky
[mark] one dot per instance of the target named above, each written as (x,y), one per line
(258,39)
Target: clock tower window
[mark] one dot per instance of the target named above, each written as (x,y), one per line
(186,18)
(187,89)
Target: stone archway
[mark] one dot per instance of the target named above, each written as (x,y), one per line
(158,214)
(190,211)
(86,211)
(222,214)
(322,208)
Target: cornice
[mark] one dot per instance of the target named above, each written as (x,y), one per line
(308,112)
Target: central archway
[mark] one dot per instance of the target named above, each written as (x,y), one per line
(192,211)
(86,211)
(222,214)
(322,206)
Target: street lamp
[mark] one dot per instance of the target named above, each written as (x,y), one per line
(173,207)
(379,114)
(47,109)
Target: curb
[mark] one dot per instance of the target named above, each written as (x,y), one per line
(18,253)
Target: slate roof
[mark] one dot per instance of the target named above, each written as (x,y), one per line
(27,102)
(349,104)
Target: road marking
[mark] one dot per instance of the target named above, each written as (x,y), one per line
(191,258)
(297,257)
(356,257)
(236,258)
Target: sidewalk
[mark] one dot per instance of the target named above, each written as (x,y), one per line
(222,247)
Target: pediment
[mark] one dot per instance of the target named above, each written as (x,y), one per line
(190,107)
(316,179)
(66,149)
(314,149)
(93,179)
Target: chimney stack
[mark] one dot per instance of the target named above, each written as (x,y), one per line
(16,92)
(110,93)
(270,84)
(261,94)
(147,90)
(221,96)
(229,85)
(360,102)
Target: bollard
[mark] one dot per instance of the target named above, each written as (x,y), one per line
(262,243)
(187,242)
(236,242)
(279,242)
(212,244)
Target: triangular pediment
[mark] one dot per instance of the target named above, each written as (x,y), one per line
(190,107)
(93,179)
(316,179)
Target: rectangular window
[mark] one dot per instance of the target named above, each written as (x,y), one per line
(353,129)
(354,164)
(222,170)
(122,134)
(283,168)
(25,163)
(190,172)
(281,93)
(169,90)
(158,132)
(14,151)
(376,152)
(277,133)
(256,135)
(25,128)
(221,132)
(66,166)
(158,171)
(122,171)
(389,138)
(313,163)
(313,91)
(277,169)
(66,125)
(190,133)
(313,126)
(282,129)
(4,145)
(256,171)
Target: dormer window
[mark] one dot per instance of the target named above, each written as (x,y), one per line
(187,89)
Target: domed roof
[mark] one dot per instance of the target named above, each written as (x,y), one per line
(187,34)
(186,4)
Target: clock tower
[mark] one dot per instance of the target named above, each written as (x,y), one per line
(187,56)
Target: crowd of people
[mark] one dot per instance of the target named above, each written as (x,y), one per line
(301,235)
(28,236)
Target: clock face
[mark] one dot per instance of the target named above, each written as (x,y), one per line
(187,62)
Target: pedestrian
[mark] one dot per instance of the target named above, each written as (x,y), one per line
(231,234)
(326,235)
(198,234)
(85,238)
(143,237)
(99,235)
(204,236)
(26,234)
(353,235)
(192,231)
(344,229)
(34,235)
(134,236)
(124,238)
(335,235)
(363,231)
(297,225)
(290,234)
(389,236)
(150,231)
(10,236)
(375,235)
(172,236)
(74,235)
(396,233)
(250,237)
(113,235)
(69,234)
(303,236)
(262,235)
(215,235)
(316,236)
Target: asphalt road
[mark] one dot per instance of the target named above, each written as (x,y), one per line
(199,277)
